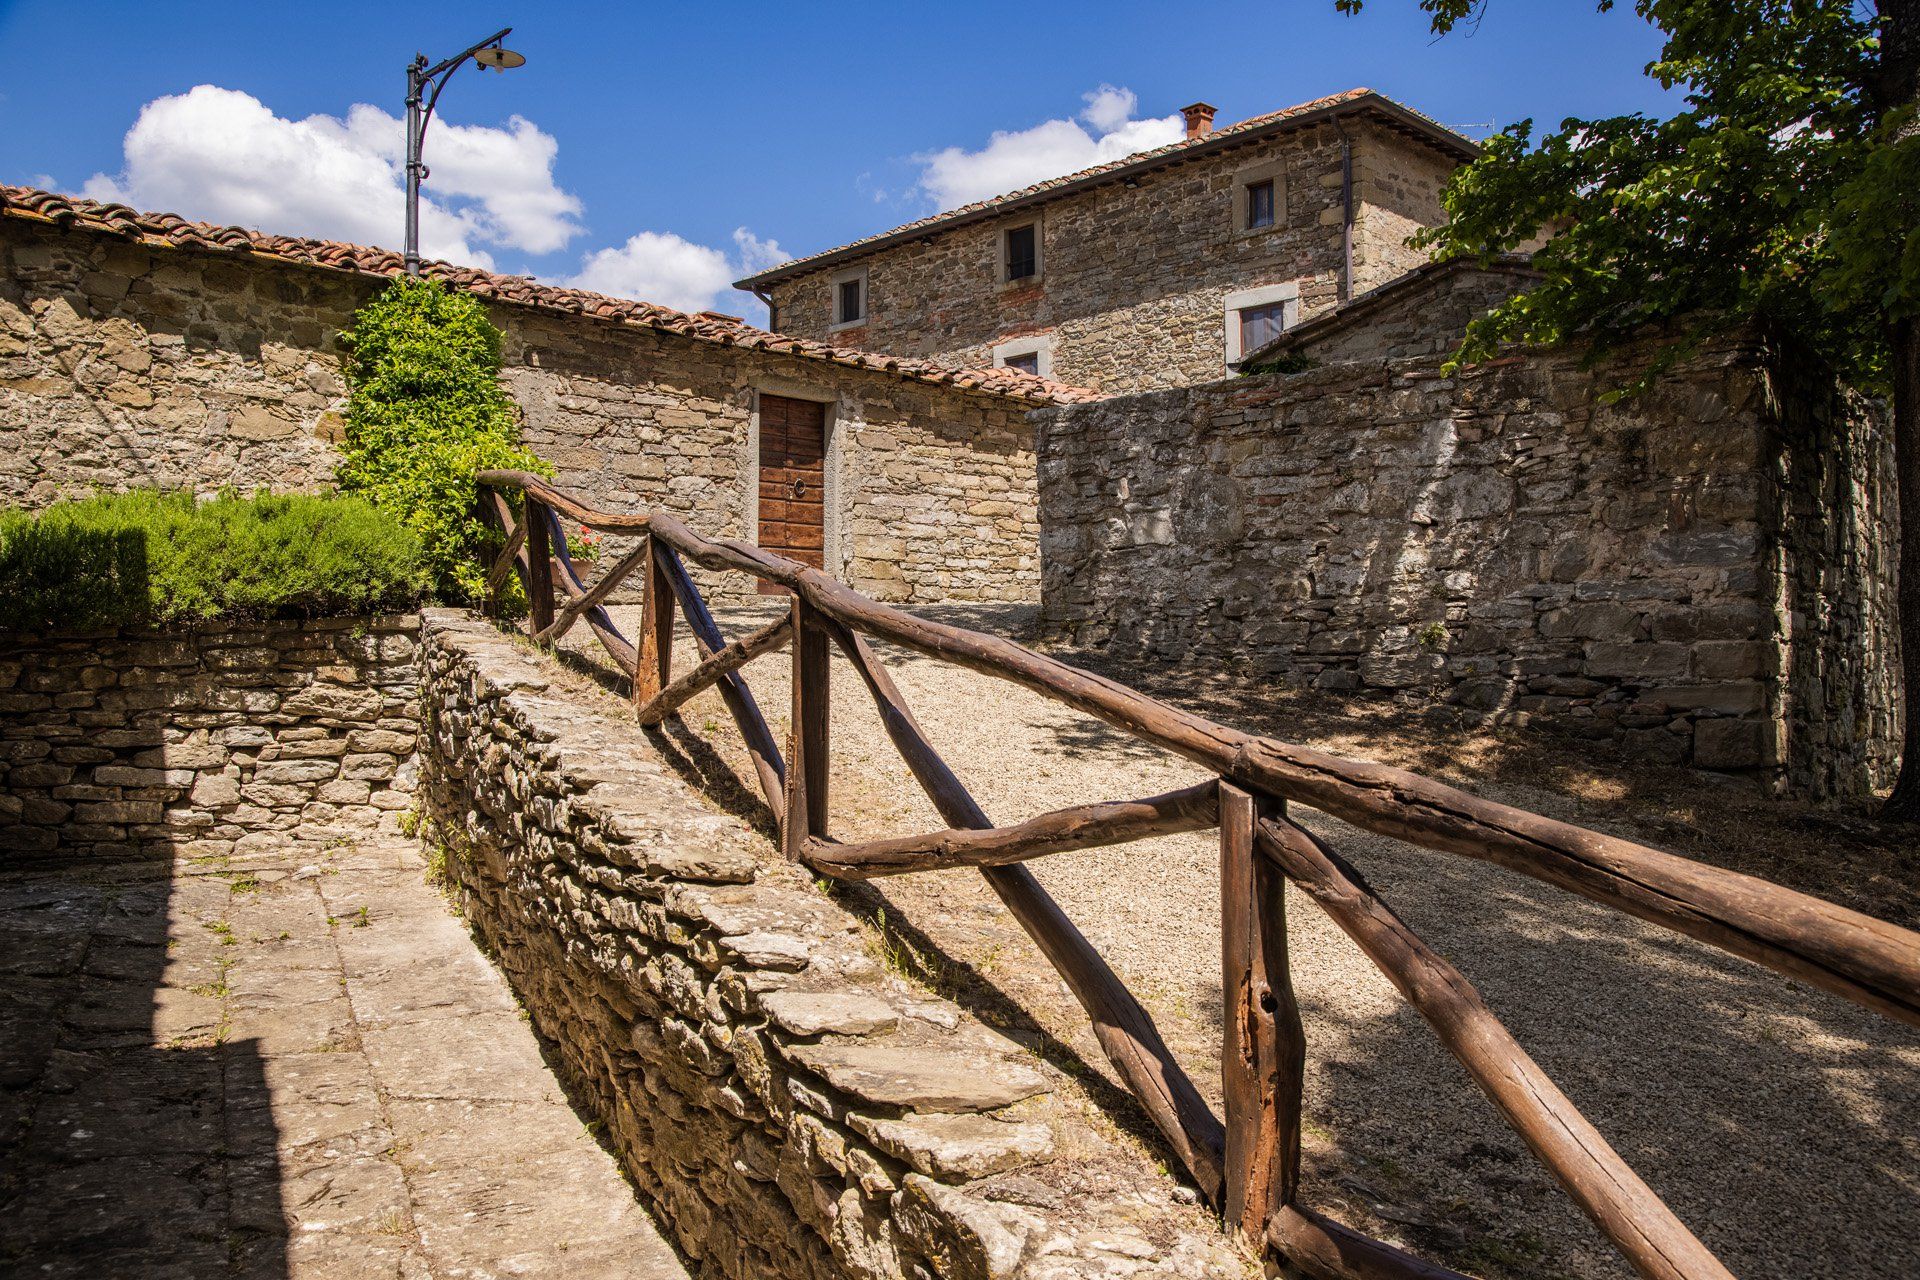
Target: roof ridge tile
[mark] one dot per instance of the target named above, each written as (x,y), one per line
(171,231)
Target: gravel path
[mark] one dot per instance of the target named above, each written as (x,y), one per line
(1781,1124)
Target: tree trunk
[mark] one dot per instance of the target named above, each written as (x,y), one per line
(1897,85)
(1904,360)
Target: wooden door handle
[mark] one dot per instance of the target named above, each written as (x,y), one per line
(799,489)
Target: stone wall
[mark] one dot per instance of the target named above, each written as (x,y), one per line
(1503,543)
(195,742)
(124,365)
(786,1106)
(1134,277)
(1396,191)
(1420,315)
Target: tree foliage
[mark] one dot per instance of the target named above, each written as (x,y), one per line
(426,413)
(1778,194)
(1784,194)
(161,557)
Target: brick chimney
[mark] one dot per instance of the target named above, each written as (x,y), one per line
(1199,120)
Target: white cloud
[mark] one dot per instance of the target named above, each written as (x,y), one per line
(656,266)
(222,156)
(1011,160)
(675,272)
(757,255)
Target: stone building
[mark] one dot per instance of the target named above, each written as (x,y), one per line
(143,349)
(1153,271)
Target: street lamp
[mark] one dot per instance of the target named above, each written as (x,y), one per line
(488,53)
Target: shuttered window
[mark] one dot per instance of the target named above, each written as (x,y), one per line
(1260,205)
(1261,325)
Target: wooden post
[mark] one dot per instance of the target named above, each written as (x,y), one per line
(806,807)
(1263,1060)
(654,664)
(539,568)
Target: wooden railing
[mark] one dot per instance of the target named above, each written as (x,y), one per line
(1249,1165)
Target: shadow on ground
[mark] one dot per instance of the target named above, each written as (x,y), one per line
(136,1138)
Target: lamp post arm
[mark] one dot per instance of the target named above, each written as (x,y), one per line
(447,64)
(419,75)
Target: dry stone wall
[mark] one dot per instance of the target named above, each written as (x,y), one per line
(125,365)
(207,741)
(1502,543)
(787,1106)
(1134,278)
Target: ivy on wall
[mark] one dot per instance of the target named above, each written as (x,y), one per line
(425,414)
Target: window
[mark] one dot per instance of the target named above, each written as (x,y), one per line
(1023,252)
(1259,198)
(850,302)
(848,299)
(1261,325)
(1259,205)
(1030,354)
(1254,317)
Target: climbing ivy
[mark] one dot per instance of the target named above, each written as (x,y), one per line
(426,413)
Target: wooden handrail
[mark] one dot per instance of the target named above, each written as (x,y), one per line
(1248,1167)
(1637,1221)
(1085,826)
(1869,961)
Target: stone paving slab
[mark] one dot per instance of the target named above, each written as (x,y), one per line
(298,1065)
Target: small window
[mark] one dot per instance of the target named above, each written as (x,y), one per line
(1260,204)
(1028,363)
(1261,325)
(850,303)
(1023,253)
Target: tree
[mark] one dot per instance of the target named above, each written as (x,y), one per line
(1786,194)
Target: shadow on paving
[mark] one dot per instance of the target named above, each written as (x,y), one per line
(136,1138)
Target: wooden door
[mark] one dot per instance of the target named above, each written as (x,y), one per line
(793,475)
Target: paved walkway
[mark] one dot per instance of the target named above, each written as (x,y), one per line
(298,1065)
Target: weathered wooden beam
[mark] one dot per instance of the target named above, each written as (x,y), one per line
(768,767)
(618,647)
(1330,1250)
(1869,961)
(509,556)
(594,595)
(538,487)
(1127,1035)
(730,659)
(1654,1241)
(653,662)
(539,569)
(1085,826)
(807,744)
(1263,1056)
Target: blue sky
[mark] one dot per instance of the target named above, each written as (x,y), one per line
(660,149)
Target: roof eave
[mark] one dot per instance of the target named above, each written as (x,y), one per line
(1225,140)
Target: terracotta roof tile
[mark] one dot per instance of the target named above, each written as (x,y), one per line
(1170,154)
(166,230)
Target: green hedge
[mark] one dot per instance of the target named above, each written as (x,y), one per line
(157,557)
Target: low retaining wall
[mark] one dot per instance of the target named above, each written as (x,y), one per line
(145,743)
(786,1106)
